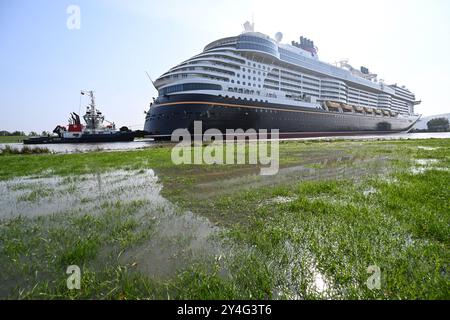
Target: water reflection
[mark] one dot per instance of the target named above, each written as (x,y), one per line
(330,166)
(177,239)
(84,147)
(145,143)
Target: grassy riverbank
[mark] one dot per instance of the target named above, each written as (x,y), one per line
(140,227)
(12,139)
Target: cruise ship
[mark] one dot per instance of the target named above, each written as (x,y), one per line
(253,81)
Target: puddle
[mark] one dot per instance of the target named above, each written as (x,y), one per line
(426,162)
(278,200)
(302,273)
(343,167)
(390,180)
(178,237)
(423,165)
(427,148)
(419,170)
(179,241)
(35,196)
(369,191)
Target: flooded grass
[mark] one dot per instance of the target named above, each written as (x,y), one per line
(8,150)
(140,227)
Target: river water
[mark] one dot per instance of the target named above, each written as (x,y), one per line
(146,143)
(84,147)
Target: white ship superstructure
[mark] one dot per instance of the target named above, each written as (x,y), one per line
(258,67)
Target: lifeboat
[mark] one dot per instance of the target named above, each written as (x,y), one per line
(332,105)
(359,109)
(378,111)
(368,110)
(346,107)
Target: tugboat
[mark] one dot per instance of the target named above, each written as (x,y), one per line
(93,131)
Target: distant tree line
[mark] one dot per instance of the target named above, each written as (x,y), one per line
(4,133)
(438,124)
(435,125)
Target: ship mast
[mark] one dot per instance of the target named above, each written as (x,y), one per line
(91,94)
(91,113)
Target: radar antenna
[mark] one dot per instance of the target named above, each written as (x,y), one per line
(249,27)
(278,37)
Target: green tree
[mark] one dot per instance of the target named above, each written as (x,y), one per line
(438,124)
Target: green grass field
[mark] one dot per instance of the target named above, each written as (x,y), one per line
(11,139)
(140,227)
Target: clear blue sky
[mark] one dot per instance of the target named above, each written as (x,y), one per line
(43,64)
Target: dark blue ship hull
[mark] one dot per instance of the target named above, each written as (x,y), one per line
(180,111)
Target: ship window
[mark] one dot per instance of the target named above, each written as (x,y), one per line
(232,81)
(238,82)
(189,87)
(243,69)
(243,76)
(243,83)
(239,75)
